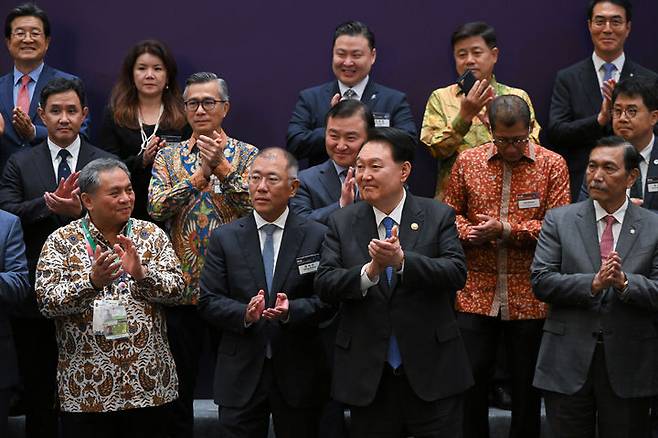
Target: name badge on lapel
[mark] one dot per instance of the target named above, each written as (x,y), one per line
(528,200)
(382,120)
(652,184)
(308,263)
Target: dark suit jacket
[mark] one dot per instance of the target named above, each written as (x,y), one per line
(318,193)
(27,175)
(566,260)
(650,198)
(14,288)
(417,308)
(233,273)
(10,141)
(306,127)
(575,104)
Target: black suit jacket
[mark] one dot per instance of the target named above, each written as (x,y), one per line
(417,307)
(28,174)
(575,104)
(306,128)
(233,273)
(566,259)
(318,193)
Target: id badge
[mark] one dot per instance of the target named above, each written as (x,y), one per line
(110,319)
(528,200)
(652,185)
(171,140)
(382,120)
(308,264)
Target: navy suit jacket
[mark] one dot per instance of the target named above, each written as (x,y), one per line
(417,307)
(14,288)
(10,141)
(232,274)
(306,128)
(650,198)
(575,105)
(318,193)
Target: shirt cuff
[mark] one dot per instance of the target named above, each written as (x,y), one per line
(366,282)
(507,230)
(461,126)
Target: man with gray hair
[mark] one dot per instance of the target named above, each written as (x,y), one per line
(257,287)
(197,185)
(104,279)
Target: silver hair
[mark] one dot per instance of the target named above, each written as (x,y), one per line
(89,178)
(202,78)
(292,166)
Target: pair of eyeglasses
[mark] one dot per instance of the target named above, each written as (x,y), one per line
(502,141)
(617,113)
(21,34)
(615,22)
(206,104)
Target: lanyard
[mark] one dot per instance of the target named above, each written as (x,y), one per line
(90,239)
(145,139)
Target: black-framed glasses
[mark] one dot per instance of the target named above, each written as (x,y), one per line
(618,112)
(207,104)
(513,141)
(615,22)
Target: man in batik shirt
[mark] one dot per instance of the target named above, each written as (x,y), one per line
(197,186)
(455,121)
(500,192)
(103,279)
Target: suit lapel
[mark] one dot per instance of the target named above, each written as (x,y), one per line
(8,105)
(293,236)
(411,214)
(586,223)
(652,173)
(250,246)
(630,230)
(590,84)
(369,93)
(44,167)
(627,71)
(330,180)
(84,156)
(365,227)
(46,75)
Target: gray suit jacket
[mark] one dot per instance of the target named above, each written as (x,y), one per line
(566,260)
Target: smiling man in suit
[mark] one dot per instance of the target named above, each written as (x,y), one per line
(394,263)
(581,101)
(27,35)
(596,264)
(257,287)
(354,54)
(39,185)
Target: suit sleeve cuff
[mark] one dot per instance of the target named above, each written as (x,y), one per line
(367,283)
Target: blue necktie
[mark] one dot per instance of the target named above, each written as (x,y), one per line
(393,358)
(268,254)
(63,171)
(608,69)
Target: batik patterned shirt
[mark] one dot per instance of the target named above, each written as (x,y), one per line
(518,195)
(95,374)
(193,207)
(446,135)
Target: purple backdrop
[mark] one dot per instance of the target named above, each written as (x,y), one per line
(268,51)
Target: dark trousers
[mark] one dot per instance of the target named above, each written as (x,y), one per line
(133,423)
(253,419)
(522,339)
(397,412)
(5,395)
(36,350)
(186,332)
(332,423)
(596,404)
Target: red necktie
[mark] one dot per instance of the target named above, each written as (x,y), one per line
(23,101)
(607,240)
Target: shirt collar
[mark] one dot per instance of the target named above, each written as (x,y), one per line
(396,214)
(96,233)
(598,62)
(358,88)
(339,169)
(73,148)
(279,222)
(646,152)
(619,214)
(34,74)
(529,152)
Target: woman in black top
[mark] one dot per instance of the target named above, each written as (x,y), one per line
(145,113)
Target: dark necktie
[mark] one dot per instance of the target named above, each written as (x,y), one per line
(636,188)
(394,358)
(63,171)
(268,254)
(349,94)
(607,239)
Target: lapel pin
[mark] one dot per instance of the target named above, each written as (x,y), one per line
(632,230)
(374,96)
(414,226)
(655,161)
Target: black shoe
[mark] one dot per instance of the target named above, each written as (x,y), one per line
(501,398)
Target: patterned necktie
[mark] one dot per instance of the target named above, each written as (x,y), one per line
(349,94)
(607,239)
(636,188)
(63,171)
(268,254)
(394,358)
(608,69)
(23,99)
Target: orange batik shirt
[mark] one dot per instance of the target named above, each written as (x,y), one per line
(518,195)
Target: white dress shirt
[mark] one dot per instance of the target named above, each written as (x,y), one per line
(280,223)
(600,214)
(358,88)
(600,71)
(396,215)
(644,162)
(74,150)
